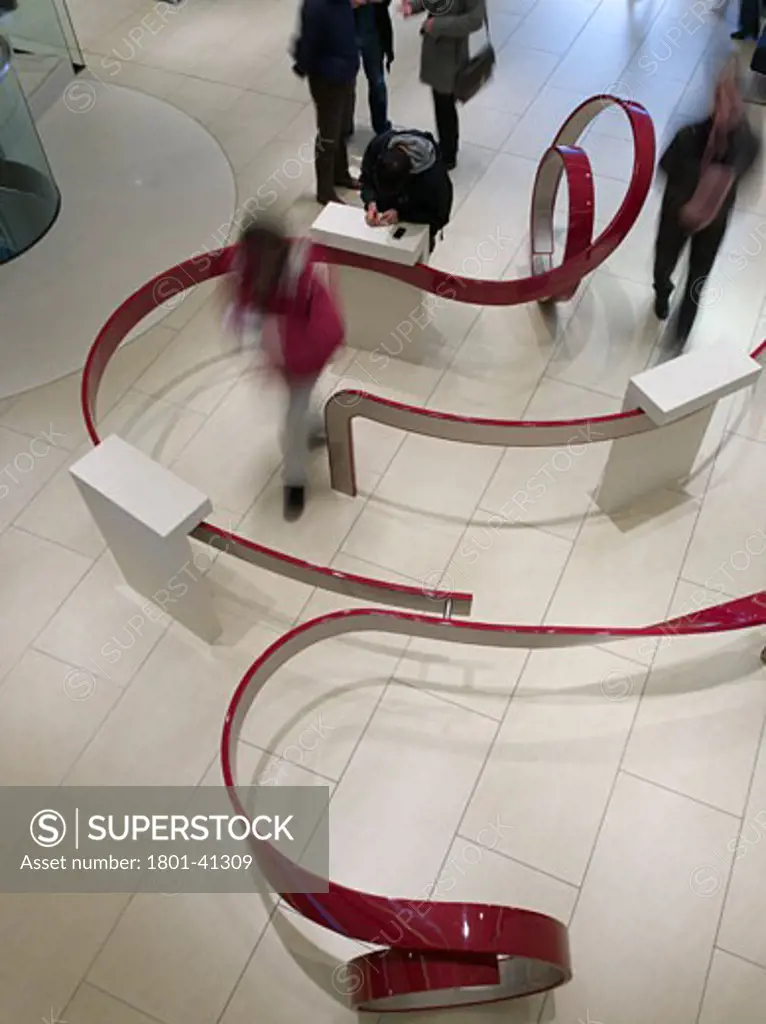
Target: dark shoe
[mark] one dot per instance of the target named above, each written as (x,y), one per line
(349,182)
(317,441)
(334,198)
(740,35)
(294,503)
(661,306)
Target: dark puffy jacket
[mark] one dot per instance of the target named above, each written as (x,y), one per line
(682,162)
(326,46)
(427,196)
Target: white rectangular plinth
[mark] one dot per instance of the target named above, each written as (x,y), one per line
(142,488)
(644,463)
(344,227)
(145,514)
(680,396)
(681,386)
(381,313)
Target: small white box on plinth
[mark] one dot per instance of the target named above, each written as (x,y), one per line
(145,514)
(380,312)
(680,397)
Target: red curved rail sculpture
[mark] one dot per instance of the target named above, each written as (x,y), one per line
(437,954)
(458,954)
(139,305)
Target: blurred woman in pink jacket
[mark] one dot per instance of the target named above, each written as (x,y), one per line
(276,283)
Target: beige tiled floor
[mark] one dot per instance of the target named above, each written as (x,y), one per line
(629,780)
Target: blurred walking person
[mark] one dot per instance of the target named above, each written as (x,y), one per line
(277,288)
(326,53)
(703,166)
(444,54)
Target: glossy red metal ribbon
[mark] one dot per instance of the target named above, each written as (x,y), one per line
(438,954)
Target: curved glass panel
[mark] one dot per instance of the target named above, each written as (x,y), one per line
(29,198)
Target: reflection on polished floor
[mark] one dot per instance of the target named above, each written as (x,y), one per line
(623,775)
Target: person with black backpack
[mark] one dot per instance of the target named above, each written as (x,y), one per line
(404,179)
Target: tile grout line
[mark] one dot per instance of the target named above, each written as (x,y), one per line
(678,792)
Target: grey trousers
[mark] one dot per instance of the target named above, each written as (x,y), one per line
(302,422)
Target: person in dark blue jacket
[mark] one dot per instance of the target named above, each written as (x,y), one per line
(375,38)
(404,178)
(326,53)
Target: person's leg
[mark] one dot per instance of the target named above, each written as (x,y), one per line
(350,125)
(329,127)
(704,249)
(295,446)
(377,93)
(445,112)
(749,20)
(668,247)
(344,103)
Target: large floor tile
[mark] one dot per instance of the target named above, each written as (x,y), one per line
(39,576)
(176,703)
(727,548)
(553,764)
(552,488)
(92,1006)
(199,367)
(480,679)
(512,570)
(642,934)
(742,923)
(48,944)
(407,542)
(321,530)
(234,454)
(177,957)
(305,990)
(49,712)
(28,463)
(700,721)
(623,568)
(407,482)
(58,512)
(609,338)
(393,817)
(318,706)
(736,990)
(104,627)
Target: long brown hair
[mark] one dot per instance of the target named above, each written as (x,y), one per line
(264,250)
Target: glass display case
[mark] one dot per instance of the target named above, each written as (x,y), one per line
(29,198)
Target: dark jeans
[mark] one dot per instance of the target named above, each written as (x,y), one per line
(332,101)
(750,17)
(377,93)
(447,129)
(671,241)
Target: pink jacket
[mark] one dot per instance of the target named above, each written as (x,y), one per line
(303,328)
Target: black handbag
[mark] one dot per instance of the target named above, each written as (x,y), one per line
(475,74)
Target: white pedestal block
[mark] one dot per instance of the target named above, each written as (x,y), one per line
(680,397)
(145,514)
(381,314)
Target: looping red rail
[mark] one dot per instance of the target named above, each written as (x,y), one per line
(437,954)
